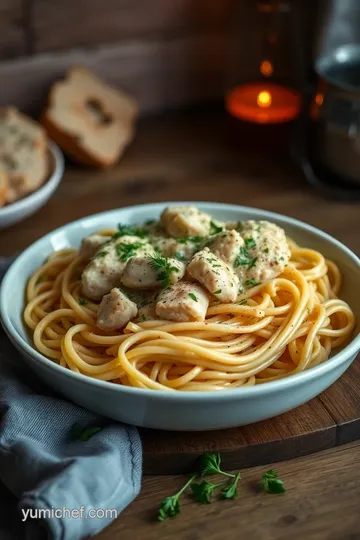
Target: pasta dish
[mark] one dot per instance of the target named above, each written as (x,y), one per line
(188,303)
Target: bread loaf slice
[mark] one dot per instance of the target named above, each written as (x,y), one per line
(91,121)
(3,188)
(23,153)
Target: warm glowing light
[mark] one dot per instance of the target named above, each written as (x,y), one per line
(319,99)
(264,99)
(263,102)
(266,68)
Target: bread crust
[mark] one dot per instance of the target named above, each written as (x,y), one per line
(77,131)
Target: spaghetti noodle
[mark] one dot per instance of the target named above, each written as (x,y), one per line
(274,329)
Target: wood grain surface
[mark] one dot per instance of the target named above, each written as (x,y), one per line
(190,156)
(321,503)
(13,23)
(331,419)
(159,73)
(56,23)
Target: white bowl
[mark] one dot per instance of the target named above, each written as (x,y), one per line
(178,410)
(19,210)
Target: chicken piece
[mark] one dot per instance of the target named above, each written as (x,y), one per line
(149,273)
(183,251)
(104,271)
(115,310)
(226,245)
(215,275)
(147,307)
(91,244)
(182,302)
(265,254)
(180,221)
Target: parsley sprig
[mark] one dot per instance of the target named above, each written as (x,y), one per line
(271,483)
(203,490)
(164,269)
(130,230)
(125,250)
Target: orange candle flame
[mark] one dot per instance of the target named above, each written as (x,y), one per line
(264,99)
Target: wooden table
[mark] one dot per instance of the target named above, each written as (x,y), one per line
(187,156)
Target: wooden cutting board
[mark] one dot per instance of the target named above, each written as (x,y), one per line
(331,419)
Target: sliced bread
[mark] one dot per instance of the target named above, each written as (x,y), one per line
(91,121)
(23,153)
(3,188)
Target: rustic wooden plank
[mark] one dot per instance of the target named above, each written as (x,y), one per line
(159,73)
(321,503)
(305,430)
(342,400)
(56,23)
(12,29)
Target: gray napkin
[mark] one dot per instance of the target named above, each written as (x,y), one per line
(79,485)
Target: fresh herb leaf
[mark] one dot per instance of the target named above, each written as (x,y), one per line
(100,254)
(239,226)
(83,434)
(193,296)
(243,258)
(196,240)
(214,229)
(266,250)
(251,282)
(243,302)
(202,492)
(179,256)
(218,291)
(82,302)
(210,463)
(250,242)
(271,483)
(170,506)
(125,251)
(252,263)
(130,230)
(144,317)
(230,490)
(164,269)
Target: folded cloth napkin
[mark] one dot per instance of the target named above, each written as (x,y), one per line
(80,479)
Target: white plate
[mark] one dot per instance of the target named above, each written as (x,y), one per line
(19,210)
(178,410)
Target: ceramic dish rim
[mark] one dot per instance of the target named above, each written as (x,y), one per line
(47,187)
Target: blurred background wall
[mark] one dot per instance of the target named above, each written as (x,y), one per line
(167,53)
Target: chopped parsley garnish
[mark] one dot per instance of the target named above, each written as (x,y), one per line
(250,242)
(125,251)
(243,258)
(163,268)
(179,256)
(266,250)
(193,296)
(82,302)
(197,240)
(214,229)
(144,317)
(243,302)
(218,291)
(251,282)
(239,226)
(252,263)
(130,230)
